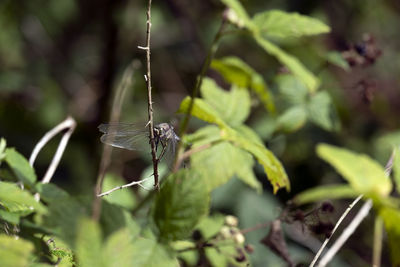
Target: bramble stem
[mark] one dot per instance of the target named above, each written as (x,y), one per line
(149,97)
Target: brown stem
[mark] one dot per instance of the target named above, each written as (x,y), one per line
(255,228)
(149,97)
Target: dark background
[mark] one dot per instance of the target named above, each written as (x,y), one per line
(64,57)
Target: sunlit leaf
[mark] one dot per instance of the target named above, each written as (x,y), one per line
(292,63)
(181,203)
(20,166)
(88,243)
(222,161)
(236,71)
(13,197)
(292,119)
(280,24)
(15,252)
(276,174)
(363,173)
(325,192)
(201,110)
(232,106)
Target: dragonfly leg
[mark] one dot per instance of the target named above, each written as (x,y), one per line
(164,148)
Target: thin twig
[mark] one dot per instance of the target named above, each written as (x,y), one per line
(255,228)
(334,229)
(149,97)
(362,213)
(69,123)
(123,186)
(196,89)
(388,170)
(124,85)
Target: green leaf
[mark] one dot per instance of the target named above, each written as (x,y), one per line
(292,119)
(201,110)
(240,16)
(182,202)
(222,161)
(114,217)
(63,217)
(233,107)
(15,252)
(20,166)
(336,58)
(124,197)
(148,253)
(363,173)
(276,174)
(50,192)
(12,197)
(280,24)
(396,168)
(236,71)
(88,244)
(210,226)
(291,89)
(320,109)
(292,63)
(325,192)
(391,218)
(119,249)
(9,216)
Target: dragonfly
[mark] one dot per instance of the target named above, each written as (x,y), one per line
(133,136)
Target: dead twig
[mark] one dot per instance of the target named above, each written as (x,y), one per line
(149,97)
(68,124)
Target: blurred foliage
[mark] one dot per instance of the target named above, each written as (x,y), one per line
(287,76)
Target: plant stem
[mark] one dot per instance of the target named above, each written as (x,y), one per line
(210,55)
(377,250)
(149,97)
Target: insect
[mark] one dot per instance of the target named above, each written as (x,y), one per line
(136,137)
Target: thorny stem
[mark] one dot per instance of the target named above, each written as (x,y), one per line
(196,89)
(149,97)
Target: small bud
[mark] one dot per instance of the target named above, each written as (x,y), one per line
(231,221)
(231,16)
(226,232)
(239,238)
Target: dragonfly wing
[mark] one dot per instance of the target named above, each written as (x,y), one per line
(169,155)
(125,135)
(121,128)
